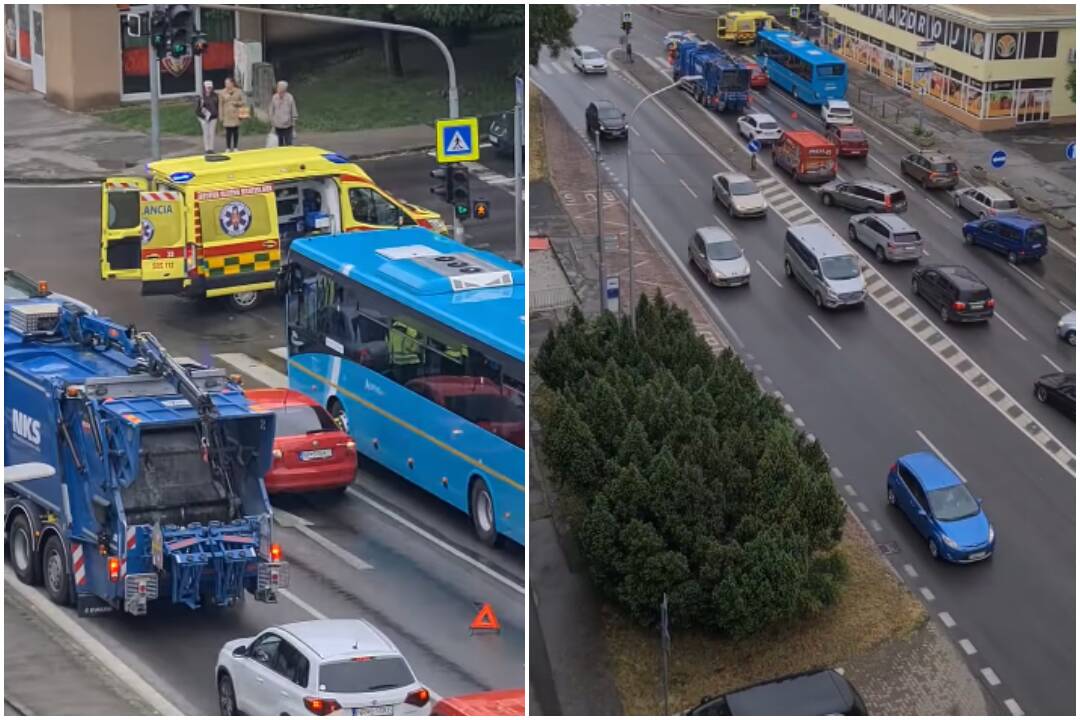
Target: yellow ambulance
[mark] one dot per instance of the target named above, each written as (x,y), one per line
(742,26)
(218,225)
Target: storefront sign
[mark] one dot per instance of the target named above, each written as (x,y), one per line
(927,25)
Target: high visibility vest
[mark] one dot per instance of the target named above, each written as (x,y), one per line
(458,353)
(404,344)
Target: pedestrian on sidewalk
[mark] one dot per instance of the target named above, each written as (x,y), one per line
(283,114)
(232,110)
(206,109)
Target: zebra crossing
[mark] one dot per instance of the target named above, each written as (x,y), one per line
(784,201)
(486,175)
(261,373)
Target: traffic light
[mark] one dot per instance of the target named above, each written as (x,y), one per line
(459,191)
(442,189)
(480,209)
(159,30)
(181,29)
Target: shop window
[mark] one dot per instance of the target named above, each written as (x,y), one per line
(1006,46)
(17,32)
(1032,45)
(1001,99)
(954,92)
(1049,44)
(24,33)
(973,98)
(220,29)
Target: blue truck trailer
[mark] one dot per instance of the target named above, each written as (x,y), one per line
(724,84)
(158,487)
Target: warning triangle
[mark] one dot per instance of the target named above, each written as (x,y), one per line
(485,619)
(457,144)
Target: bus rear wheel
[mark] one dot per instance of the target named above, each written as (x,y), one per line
(482,511)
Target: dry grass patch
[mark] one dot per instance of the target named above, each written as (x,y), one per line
(537,151)
(874,607)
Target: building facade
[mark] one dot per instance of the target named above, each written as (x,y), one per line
(89,56)
(990,67)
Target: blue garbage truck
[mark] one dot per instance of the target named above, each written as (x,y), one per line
(158,489)
(724,84)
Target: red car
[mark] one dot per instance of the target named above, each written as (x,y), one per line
(310,451)
(492,702)
(758,79)
(849,140)
(496,408)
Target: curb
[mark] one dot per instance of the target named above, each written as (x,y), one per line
(19,706)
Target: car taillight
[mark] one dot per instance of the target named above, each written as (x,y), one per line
(114,569)
(892,470)
(934,175)
(990,303)
(275,552)
(419,698)
(321,706)
(959,306)
(351,446)
(888,202)
(276,452)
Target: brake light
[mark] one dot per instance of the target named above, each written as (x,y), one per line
(990,303)
(321,706)
(892,470)
(959,306)
(276,453)
(888,202)
(114,569)
(419,698)
(350,446)
(275,553)
(934,175)
(42,287)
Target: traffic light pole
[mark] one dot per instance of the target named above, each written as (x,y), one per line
(155,97)
(452,90)
(519,229)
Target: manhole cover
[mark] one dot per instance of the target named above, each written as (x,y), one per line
(889,548)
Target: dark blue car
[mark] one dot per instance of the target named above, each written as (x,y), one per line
(938,504)
(1015,236)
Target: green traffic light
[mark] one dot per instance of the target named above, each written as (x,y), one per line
(178,49)
(462,211)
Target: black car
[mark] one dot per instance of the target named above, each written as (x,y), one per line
(957,293)
(603,115)
(1059,390)
(819,692)
(501,136)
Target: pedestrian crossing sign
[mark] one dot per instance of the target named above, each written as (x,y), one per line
(457,140)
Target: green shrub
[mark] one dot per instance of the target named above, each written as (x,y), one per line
(690,481)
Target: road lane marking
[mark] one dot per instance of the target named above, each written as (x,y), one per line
(862,507)
(94,647)
(1014,707)
(1032,280)
(940,209)
(788,409)
(254,369)
(688,188)
(991,677)
(947,619)
(634,130)
(658,157)
(940,454)
(909,569)
(494,574)
(721,223)
(837,474)
(823,332)
(288,520)
(302,604)
(876,527)
(281,352)
(1010,326)
(766,271)
(927,594)
(1052,364)
(889,170)
(1065,305)
(967,646)
(799,423)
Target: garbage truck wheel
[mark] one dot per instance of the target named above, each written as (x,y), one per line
(21,547)
(55,570)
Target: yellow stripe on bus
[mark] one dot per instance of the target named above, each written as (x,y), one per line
(415,430)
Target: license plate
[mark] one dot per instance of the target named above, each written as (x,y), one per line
(374,710)
(977,556)
(1036,246)
(316,454)
(977,306)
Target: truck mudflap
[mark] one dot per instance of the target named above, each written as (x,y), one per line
(273,576)
(139,590)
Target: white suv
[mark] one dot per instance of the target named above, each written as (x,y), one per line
(318,667)
(759,126)
(588,60)
(837,112)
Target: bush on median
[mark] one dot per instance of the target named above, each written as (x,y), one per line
(684,477)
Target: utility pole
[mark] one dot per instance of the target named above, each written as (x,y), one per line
(519,149)
(599,225)
(155,97)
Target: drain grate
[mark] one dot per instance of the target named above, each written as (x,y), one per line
(889,548)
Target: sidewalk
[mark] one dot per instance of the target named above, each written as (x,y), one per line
(46,673)
(44,143)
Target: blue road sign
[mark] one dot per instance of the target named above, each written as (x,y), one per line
(754,146)
(457,140)
(1070,151)
(997,159)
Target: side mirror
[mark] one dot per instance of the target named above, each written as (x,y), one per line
(400,219)
(240,651)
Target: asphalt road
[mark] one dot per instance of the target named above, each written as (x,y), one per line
(428,574)
(862,382)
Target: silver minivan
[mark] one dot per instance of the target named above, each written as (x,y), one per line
(889,236)
(818,258)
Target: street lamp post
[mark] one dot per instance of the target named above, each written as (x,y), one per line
(630,191)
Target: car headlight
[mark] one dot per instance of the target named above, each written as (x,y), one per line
(950,542)
(991,538)
(832,294)
(438,226)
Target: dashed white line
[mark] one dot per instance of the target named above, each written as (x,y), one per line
(967,647)
(939,454)
(862,507)
(658,157)
(1052,364)
(1032,280)
(634,130)
(849,489)
(721,223)
(766,271)
(799,422)
(1010,326)
(991,677)
(1014,707)
(941,210)
(839,475)
(1065,305)
(925,591)
(946,619)
(688,188)
(909,569)
(823,332)
(875,526)
(305,606)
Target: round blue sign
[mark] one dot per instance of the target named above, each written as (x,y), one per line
(754,146)
(997,160)
(1070,151)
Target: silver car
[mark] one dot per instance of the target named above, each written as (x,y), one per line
(889,236)
(1066,328)
(738,194)
(714,251)
(588,60)
(985,201)
(816,257)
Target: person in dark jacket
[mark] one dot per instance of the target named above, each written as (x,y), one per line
(206,109)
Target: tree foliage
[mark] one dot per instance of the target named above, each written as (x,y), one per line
(549,26)
(1070,84)
(690,480)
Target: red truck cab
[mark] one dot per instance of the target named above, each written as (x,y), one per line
(806,155)
(849,140)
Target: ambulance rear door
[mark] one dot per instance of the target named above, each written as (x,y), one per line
(162,256)
(239,238)
(121,228)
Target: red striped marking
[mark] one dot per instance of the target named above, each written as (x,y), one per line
(158,196)
(237,248)
(77,563)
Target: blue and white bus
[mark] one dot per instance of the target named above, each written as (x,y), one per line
(797,65)
(416,346)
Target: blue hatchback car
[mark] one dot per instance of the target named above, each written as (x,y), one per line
(938,504)
(1015,236)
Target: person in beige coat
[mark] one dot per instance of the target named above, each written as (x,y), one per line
(232,103)
(283,114)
